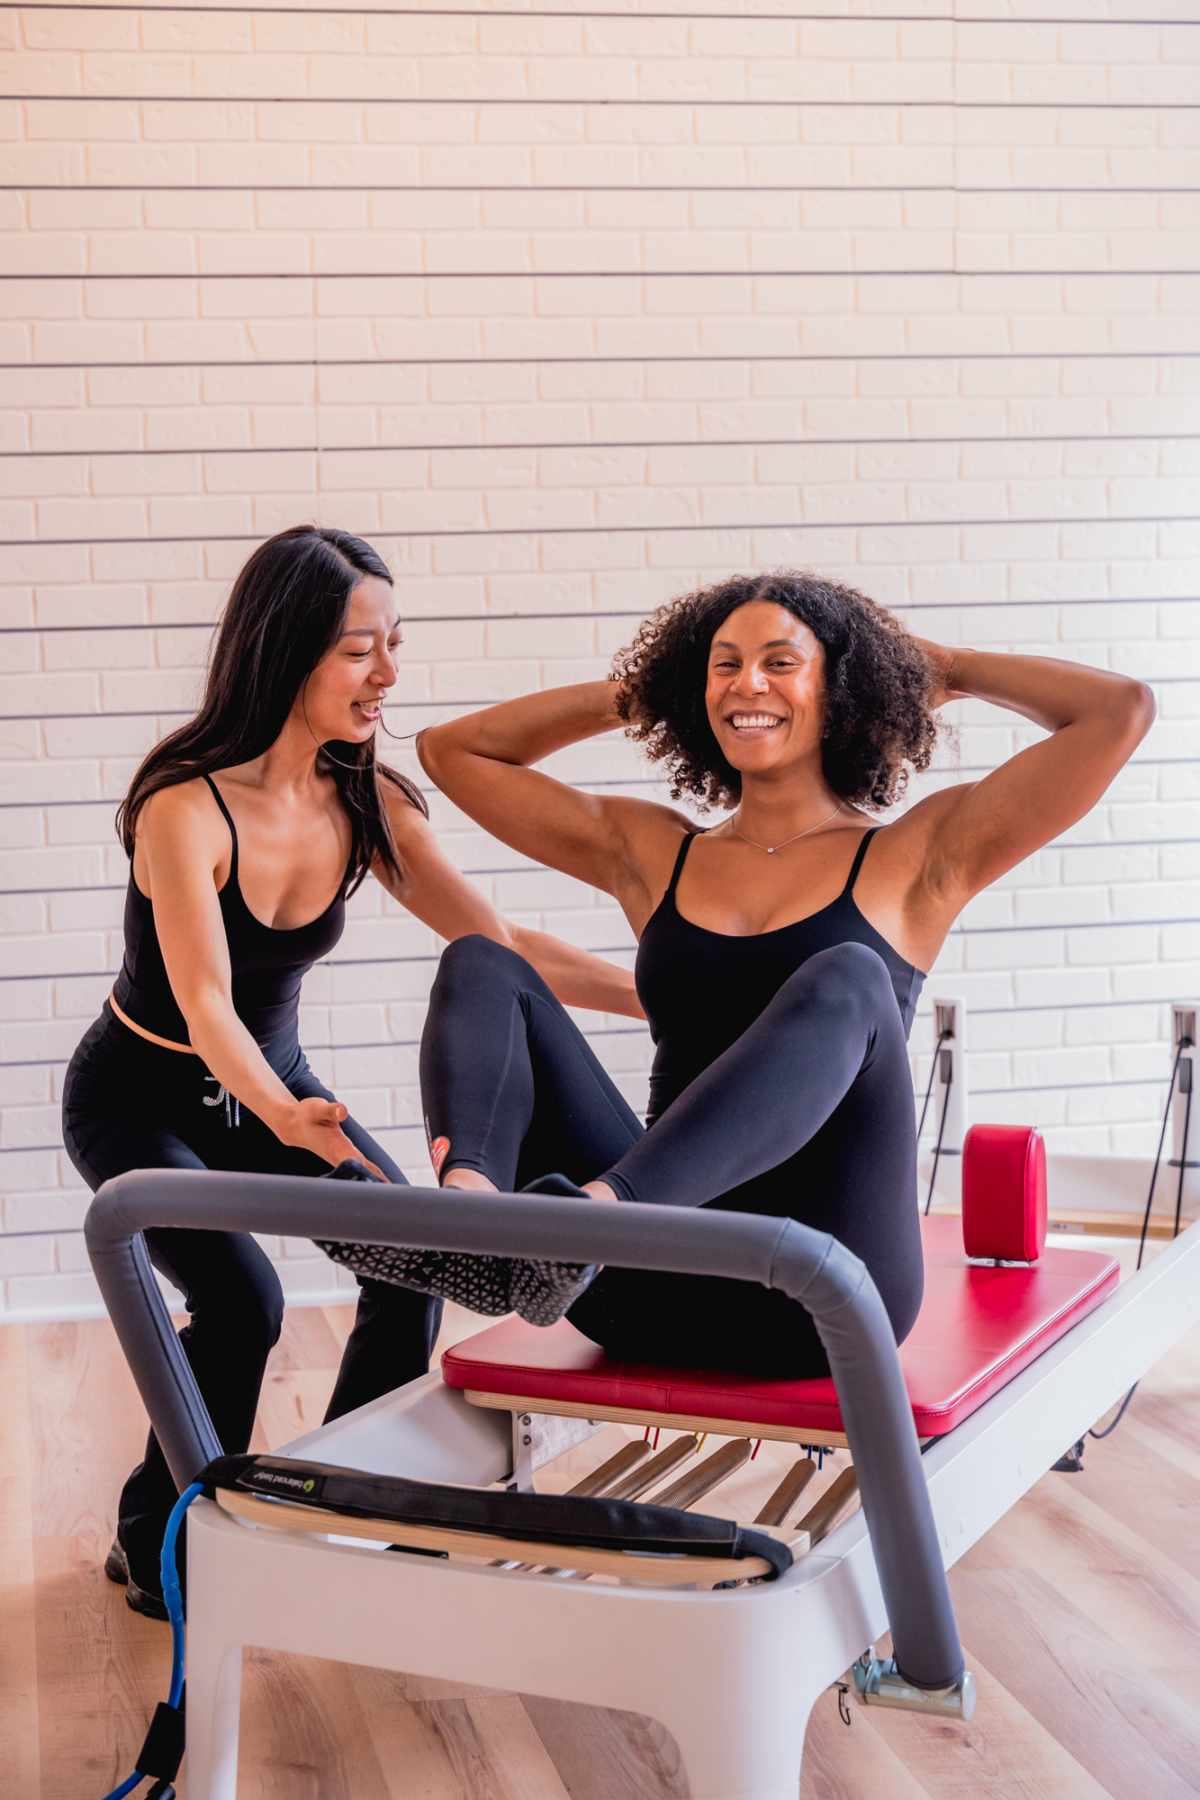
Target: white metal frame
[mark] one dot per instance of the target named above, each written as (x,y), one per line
(732,1675)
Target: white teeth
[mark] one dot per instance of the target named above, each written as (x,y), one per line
(746,721)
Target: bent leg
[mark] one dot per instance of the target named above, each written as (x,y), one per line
(809,1115)
(770,1092)
(509,1079)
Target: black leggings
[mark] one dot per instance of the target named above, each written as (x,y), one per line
(127,1104)
(807,1115)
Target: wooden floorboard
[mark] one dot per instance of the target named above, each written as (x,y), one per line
(19,1691)
(1080,1613)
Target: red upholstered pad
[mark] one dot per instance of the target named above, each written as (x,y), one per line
(1004,1192)
(978,1328)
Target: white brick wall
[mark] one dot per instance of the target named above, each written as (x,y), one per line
(568,313)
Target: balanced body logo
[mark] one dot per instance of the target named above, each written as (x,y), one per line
(279,1478)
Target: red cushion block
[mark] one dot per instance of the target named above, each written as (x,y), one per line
(1004,1192)
(977,1329)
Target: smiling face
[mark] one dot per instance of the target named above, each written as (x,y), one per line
(765,690)
(342,697)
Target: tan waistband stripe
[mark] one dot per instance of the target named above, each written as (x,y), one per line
(150,1036)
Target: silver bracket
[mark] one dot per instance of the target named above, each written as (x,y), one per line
(538,1438)
(880,1683)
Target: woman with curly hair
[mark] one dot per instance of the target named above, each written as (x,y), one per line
(778,964)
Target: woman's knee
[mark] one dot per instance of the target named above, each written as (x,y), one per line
(851,976)
(250,1306)
(476,958)
(475,965)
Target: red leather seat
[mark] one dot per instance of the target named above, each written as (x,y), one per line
(979,1326)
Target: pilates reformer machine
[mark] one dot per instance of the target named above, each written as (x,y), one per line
(615,1593)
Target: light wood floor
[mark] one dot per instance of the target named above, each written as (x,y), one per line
(1080,1613)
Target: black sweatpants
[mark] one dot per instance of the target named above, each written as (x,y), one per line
(128,1104)
(807,1115)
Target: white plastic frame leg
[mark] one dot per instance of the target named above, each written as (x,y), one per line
(761,1761)
(214,1687)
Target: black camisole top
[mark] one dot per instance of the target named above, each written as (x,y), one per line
(702,989)
(268,965)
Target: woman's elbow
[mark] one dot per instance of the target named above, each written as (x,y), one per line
(207,1010)
(1145,702)
(1140,710)
(426,747)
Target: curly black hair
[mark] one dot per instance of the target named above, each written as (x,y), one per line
(878,686)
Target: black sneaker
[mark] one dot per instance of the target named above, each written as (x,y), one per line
(147,1601)
(542,1291)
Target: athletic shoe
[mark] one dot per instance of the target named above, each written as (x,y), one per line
(542,1291)
(139,1599)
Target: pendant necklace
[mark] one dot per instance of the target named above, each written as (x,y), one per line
(772,848)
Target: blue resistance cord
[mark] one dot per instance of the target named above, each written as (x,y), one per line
(173,1600)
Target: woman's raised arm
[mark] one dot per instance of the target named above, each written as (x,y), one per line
(441,896)
(1096,720)
(482,763)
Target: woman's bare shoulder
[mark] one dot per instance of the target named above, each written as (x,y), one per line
(184,803)
(184,821)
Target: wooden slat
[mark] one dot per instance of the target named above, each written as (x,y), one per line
(705,1476)
(603,1479)
(640,1480)
(600,1481)
(782,1498)
(821,1517)
(625,1415)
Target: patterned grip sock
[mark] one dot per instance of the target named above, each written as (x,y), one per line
(541,1290)
(481,1283)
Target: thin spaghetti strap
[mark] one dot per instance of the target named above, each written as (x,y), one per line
(856,865)
(228,818)
(677,871)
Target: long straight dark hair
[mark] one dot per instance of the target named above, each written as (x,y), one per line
(285,611)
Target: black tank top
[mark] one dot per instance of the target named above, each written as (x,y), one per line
(701,989)
(268,965)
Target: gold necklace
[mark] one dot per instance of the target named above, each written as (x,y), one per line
(772,848)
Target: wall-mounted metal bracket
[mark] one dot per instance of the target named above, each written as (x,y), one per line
(1185,1014)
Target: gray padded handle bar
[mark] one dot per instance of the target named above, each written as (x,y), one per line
(809,1266)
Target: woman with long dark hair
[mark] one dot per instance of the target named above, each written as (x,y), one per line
(781,952)
(247,829)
